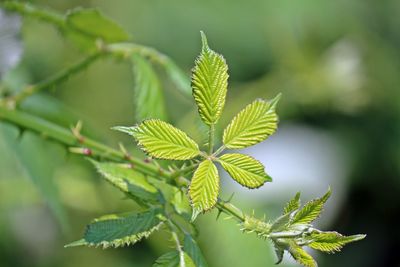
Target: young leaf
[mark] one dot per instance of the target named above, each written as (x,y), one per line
(279,251)
(331,241)
(162,140)
(311,210)
(301,256)
(120,230)
(204,188)
(92,23)
(149,99)
(293,204)
(209,83)
(178,77)
(253,124)
(128,181)
(174,259)
(280,223)
(192,249)
(244,169)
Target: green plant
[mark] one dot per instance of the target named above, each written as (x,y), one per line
(171,197)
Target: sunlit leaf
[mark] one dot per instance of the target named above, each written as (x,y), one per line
(331,241)
(149,99)
(311,210)
(162,140)
(293,204)
(253,124)
(204,187)
(174,259)
(209,83)
(244,169)
(128,181)
(120,230)
(191,247)
(92,22)
(301,256)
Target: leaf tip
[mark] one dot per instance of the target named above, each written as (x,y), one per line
(123,129)
(77,243)
(204,41)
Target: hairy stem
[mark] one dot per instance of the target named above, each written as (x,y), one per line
(211,139)
(64,136)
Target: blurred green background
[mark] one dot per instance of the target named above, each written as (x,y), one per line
(337,64)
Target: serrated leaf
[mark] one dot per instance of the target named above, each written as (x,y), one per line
(301,256)
(255,123)
(128,181)
(330,241)
(204,187)
(92,23)
(209,83)
(120,230)
(174,259)
(311,210)
(162,140)
(149,98)
(245,170)
(293,204)
(191,247)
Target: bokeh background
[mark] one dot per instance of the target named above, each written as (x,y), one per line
(337,64)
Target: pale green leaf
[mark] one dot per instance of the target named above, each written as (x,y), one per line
(204,187)
(174,259)
(191,247)
(280,223)
(279,251)
(244,169)
(92,23)
(310,210)
(178,77)
(120,230)
(128,181)
(256,122)
(293,204)
(149,98)
(301,256)
(330,241)
(209,83)
(162,140)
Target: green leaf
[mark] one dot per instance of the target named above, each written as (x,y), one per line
(178,77)
(204,187)
(92,23)
(301,256)
(162,140)
(279,251)
(293,204)
(244,169)
(209,83)
(255,123)
(174,259)
(149,99)
(128,181)
(191,247)
(280,223)
(120,230)
(331,241)
(311,210)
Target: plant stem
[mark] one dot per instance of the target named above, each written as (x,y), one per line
(66,137)
(211,139)
(54,80)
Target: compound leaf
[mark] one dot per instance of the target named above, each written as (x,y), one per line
(253,124)
(92,23)
(149,99)
(162,140)
(191,247)
(128,181)
(174,259)
(204,187)
(120,230)
(209,83)
(293,204)
(311,210)
(331,241)
(301,256)
(244,169)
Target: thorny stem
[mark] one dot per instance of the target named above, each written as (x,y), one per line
(66,137)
